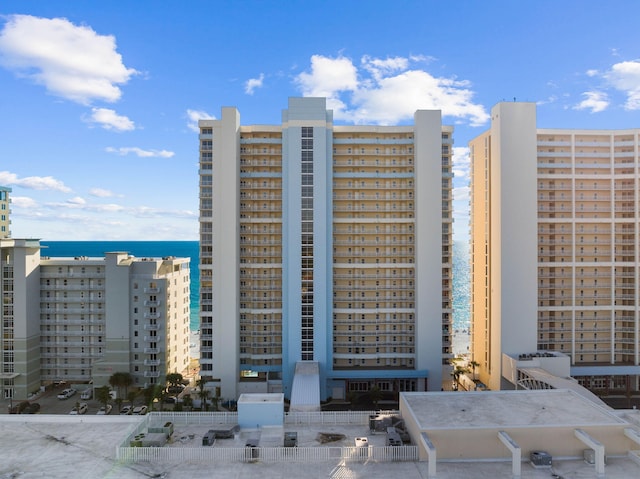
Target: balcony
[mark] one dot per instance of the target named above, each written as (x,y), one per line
(152,374)
(152,290)
(151,362)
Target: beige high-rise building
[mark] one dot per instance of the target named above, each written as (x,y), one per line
(82,319)
(5,211)
(555,252)
(327,244)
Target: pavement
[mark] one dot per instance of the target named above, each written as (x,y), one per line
(50,404)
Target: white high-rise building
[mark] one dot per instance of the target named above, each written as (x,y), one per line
(82,319)
(555,255)
(328,245)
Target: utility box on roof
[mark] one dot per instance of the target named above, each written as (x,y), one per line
(540,459)
(258,410)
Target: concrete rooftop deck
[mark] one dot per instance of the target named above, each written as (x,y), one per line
(62,447)
(549,407)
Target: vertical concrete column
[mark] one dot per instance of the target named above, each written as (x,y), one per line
(431,452)
(516,453)
(597,446)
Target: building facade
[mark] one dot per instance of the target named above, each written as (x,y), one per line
(5,210)
(325,243)
(561,208)
(82,319)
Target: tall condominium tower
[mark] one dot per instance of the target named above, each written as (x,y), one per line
(82,319)
(5,222)
(555,253)
(325,245)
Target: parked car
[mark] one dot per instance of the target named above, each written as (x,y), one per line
(81,408)
(175,389)
(87,394)
(140,410)
(171,399)
(125,411)
(105,409)
(66,393)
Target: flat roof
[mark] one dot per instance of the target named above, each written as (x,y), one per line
(251,398)
(63,446)
(504,409)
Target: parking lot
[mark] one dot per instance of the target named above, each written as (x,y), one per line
(50,404)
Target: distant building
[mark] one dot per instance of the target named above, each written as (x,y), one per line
(5,210)
(555,254)
(83,319)
(329,244)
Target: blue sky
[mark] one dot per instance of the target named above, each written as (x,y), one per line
(99,99)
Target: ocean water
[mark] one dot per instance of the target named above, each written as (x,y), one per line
(190,249)
(461,286)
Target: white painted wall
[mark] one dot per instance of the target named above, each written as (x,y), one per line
(428,205)
(513,255)
(226,228)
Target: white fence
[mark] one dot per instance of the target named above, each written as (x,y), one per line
(329,417)
(334,417)
(268,454)
(214,454)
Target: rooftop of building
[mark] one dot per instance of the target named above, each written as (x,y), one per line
(507,409)
(61,446)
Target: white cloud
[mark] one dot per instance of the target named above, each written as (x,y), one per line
(386,91)
(33,182)
(194,115)
(462,193)
(101,193)
(23,202)
(253,83)
(123,151)
(625,77)
(594,100)
(328,78)
(70,61)
(378,67)
(77,201)
(550,99)
(461,162)
(148,212)
(110,120)
(592,73)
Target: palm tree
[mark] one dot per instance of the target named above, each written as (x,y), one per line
(375,394)
(161,393)
(121,380)
(131,396)
(456,373)
(116,382)
(187,401)
(204,395)
(103,395)
(474,364)
(174,379)
(149,394)
(127,380)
